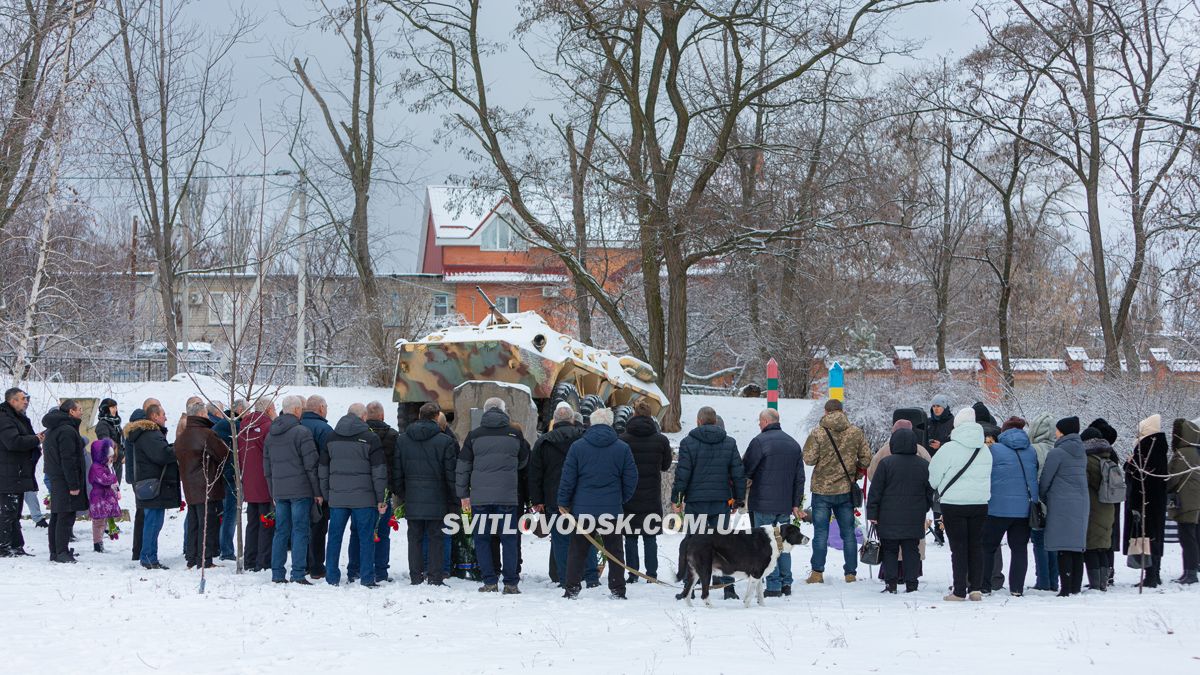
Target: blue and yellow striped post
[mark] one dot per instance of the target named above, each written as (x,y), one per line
(837,382)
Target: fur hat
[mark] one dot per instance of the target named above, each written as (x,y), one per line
(983,415)
(963,416)
(1091,433)
(901,424)
(1106,430)
(1068,425)
(991,431)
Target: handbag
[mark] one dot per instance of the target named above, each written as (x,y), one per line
(1139,556)
(869,552)
(1037,510)
(148,488)
(856,495)
(937,496)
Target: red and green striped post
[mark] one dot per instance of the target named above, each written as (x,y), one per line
(773,384)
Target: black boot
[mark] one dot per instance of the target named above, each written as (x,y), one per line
(1097,578)
(1064,581)
(98,547)
(730,593)
(889,588)
(911,586)
(1189,577)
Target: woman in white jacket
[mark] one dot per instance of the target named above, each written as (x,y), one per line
(961,472)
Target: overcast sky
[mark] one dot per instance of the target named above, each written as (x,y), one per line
(263,87)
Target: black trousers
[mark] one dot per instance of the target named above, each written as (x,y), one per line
(316,543)
(10,522)
(138,519)
(964,528)
(577,555)
(1070,572)
(204,531)
(418,530)
(1017,530)
(257,553)
(61,526)
(890,550)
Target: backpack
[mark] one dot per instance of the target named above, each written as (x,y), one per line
(1112,483)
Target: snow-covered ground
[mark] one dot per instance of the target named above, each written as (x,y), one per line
(107,613)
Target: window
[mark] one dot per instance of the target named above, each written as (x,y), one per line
(508,304)
(499,236)
(220,309)
(441,304)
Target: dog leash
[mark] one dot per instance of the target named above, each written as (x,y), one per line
(600,546)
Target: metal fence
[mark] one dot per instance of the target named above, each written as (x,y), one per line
(90,368)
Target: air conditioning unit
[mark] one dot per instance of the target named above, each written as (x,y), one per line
(195,299)
(551,291)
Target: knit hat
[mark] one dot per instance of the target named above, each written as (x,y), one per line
(1106,430)
(901,424)
(1091,433)
(963,416)
(982,414)
(940,400)
(1013,422)
(1068,425)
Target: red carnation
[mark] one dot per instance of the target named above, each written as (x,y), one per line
(394,524)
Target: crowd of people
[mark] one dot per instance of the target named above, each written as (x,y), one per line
(958,475)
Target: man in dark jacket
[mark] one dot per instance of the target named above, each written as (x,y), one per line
(202,456)
(774,465)
(20,450)
(899,497)
(223,424)
(383,530)
(424,482)
(154,459)
(66,475)
(314,419)
(937,432)
(598,478)
(545,471)
(652,454)
(488,466)
(290,461)
(353,474)
(710,479)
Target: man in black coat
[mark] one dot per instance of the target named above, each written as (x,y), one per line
(146,439)
(709,478)
(20,450)
(383,531)
(774,464)
(652,455)
(896,504)
(545,472)
(66,474)
(425,463)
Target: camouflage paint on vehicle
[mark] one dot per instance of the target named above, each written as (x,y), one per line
(525,351)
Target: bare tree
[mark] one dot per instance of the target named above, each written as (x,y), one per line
(170,98)
(668,129)
(356,137)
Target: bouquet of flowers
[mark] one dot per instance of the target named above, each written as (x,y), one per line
(112,530)
(268,521)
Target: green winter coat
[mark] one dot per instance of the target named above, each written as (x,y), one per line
(1186,455)
(1100,516)
(1041,435)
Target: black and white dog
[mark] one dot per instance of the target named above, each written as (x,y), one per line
(743,555)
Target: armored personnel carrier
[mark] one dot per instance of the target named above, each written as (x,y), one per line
(520,350)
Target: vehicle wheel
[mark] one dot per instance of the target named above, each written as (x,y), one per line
(564,391)
(621,415)
(588,405)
